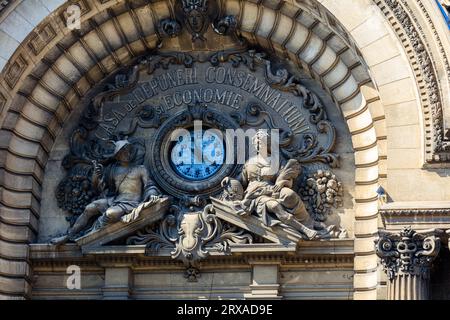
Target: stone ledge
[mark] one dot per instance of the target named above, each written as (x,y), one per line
(419,215)
(405,206)
(332,248)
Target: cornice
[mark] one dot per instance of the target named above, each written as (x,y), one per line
(429,206)
(318,253)
(420,215)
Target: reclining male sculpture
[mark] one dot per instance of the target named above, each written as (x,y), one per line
(123,186)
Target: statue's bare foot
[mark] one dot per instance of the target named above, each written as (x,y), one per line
(59,240)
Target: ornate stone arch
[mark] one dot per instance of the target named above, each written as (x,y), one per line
(53,69)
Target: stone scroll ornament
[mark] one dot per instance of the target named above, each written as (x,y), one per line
(408,252)
(213,213)
(190,231)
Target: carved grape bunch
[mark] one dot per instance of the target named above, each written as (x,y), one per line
(74,193)
(321,193)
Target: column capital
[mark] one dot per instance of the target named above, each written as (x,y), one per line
(408,252)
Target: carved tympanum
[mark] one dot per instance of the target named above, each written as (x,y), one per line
(124,157)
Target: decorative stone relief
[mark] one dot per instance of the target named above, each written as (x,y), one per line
(188,210)
(438,149)
(123,188)
(408,252)
(191,233)
(196,16)
(268,194)
(191,230)
(169,27)
(321,192)
(408,255)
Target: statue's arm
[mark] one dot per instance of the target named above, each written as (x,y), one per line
(243,177)
(98,177)
(150,188)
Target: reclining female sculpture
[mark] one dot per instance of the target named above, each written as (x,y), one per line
(269,194)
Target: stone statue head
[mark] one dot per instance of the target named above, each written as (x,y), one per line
(123,150)
(196,15)
(196,20)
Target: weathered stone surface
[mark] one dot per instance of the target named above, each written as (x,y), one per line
(123,228)
(407,258)
(252,224)
(265,283)
(118,283)
(386,53)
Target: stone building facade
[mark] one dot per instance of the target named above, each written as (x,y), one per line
(356,91)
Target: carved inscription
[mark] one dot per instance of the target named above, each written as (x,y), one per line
(225,85)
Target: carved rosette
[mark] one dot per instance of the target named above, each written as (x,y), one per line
(407,258)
